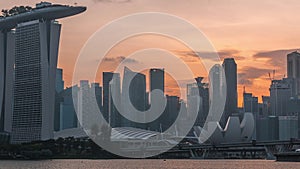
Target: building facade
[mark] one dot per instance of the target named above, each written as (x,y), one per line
(217,95)
(7,55)
(280,94)
(157,82)
(288,127)
(34,89)
(68,116)
(293,69)
(250,103)
(230,68)
(134,97)
(115,118)
(267,128)
(28,57)
(204,94)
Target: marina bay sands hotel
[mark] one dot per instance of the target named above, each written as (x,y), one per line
(29,43)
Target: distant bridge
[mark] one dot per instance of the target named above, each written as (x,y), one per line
(252,150)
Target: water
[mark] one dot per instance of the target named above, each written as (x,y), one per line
(148,164)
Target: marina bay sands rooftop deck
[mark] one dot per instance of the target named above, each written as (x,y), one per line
(43,10)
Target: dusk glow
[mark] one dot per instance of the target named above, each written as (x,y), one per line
(258,34)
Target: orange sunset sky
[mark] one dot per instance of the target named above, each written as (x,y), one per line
(257,33)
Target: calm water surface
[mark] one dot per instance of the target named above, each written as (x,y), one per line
(148,164)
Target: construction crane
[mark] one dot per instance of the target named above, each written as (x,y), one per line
(273,75)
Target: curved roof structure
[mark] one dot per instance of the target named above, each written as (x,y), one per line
(49,12)
(129,133)
(117,134)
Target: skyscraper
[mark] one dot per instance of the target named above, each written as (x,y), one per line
(266,109)
(36,50)
(115,118)
(280,94)
(106,78)
(59,87)
(84,104)
(230,69)
(171,112)
(134,92)
(98,93)
(204,94)
(68,117)
(250,103)
(60,84)
(157,79)
(217,94)
(157,82)
(293,69)
(195,102)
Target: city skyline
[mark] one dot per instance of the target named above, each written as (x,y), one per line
(160,88)
(266,52)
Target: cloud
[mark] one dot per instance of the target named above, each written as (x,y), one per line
(112,1)
(190,56)
(248,74)
(275,58)
(119,59)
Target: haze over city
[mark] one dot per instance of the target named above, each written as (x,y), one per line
(257,34)
(156,82)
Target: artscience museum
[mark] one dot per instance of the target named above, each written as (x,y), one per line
(236,130)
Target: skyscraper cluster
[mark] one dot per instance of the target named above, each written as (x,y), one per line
(132,98)
(34,103)
(278,115)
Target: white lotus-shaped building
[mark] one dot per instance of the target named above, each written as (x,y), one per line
(234,131)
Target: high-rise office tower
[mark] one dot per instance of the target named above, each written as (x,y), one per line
(59,87)
(250,103)
(217,94)
(88,105)
(204,94)
(134,92)
(157,81)
(37,37)
(280,94)
(60,84)
(230,69)
(194,102)
(266,109)
(95,87)
(106,78)
(83,100)
(115,118)
(293,69)
(171,112)
(68,117)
